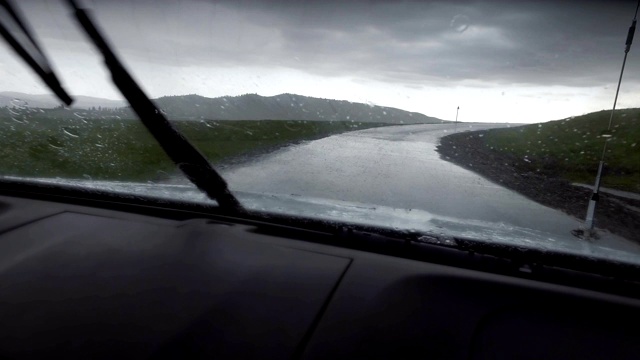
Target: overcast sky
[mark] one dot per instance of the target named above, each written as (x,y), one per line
(501,61)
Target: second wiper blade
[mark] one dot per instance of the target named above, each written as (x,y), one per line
(188,159)
(35,58)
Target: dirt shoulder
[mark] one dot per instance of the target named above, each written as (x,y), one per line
(616,214)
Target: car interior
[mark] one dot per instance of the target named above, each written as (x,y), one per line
(101,275)
(89,275)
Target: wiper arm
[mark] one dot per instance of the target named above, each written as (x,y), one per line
(35,58)
(188,159)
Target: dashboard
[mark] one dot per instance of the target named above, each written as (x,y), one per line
(94,280)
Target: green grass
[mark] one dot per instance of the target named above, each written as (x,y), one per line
(121,149)
(571,148)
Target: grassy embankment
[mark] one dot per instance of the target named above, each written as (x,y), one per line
(120,149)
(540,161)
(571,148)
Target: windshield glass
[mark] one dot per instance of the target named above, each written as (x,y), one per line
(488,120)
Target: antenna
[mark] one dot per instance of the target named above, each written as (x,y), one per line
(589,221)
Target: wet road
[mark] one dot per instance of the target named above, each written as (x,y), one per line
(399,167)
(396,167)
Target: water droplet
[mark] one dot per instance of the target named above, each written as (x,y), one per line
(81,117)
(460,23)
(54,142)
(70,132)
(18,103)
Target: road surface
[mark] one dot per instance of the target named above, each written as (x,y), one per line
(398,167)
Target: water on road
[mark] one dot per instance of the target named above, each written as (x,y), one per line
(395,167)
(398,167)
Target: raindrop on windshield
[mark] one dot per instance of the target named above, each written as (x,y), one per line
(81,117)
(18,103)
(460,23)
(18,110)
(70,132)
(54,142)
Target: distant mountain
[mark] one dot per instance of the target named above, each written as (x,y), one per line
(244,107)
(283,107)
(11,98)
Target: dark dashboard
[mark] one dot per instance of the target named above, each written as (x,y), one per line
(81,281)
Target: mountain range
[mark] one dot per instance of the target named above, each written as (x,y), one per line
(243,107)
(283,107)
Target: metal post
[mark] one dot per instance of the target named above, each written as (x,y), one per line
(455,127)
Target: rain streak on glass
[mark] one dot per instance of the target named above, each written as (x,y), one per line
(18,110)
(460,23)
(70,132)
(80,116)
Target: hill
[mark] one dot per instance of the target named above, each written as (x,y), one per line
(571,148)
(540,161)
(243,107)
(283,107)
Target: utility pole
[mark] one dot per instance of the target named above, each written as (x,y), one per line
(455,127)
(589,223)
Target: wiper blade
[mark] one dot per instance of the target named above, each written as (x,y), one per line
(35,58)
(188,159)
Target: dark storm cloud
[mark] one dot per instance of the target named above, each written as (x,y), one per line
(577,43)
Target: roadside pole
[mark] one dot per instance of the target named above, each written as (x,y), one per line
(455,127)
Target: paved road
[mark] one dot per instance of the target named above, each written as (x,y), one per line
(399,167)
(396,167)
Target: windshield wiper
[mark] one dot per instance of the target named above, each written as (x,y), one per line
(188,159)
(29,49)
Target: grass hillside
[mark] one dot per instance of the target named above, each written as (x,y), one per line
(540,161)
(571,148)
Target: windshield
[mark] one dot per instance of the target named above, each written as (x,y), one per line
(488,120)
